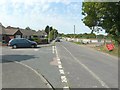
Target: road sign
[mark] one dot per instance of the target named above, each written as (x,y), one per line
(110,47)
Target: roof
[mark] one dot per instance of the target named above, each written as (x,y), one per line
(11,31)
(41,33)
(27,32)
(2,29)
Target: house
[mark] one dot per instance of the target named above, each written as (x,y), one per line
(10,33)
(2,33)
(27,33)
(41,34)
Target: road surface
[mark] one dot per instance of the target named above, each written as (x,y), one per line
(65,65)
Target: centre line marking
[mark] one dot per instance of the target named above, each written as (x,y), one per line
(61,71)
(60,66)
(59,62)
(58,59)
(63,77)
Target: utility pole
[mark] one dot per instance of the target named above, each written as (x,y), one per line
(74,31)
(49,36)
(54,33)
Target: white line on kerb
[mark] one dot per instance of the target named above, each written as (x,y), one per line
(83,65)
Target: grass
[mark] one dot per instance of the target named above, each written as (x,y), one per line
(77,42)
(103,48)
(114,52)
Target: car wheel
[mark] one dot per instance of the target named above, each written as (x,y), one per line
(14,46)
(33,46)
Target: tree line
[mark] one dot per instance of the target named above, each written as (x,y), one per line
(87,36)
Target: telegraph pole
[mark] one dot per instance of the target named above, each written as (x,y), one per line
(74,31)
(54,33)
(49,36)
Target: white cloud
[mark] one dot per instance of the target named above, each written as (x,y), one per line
(33,14)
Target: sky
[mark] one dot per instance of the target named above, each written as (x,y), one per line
(37,14)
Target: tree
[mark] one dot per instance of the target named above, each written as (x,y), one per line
(51,28)
(103,15)
(28,28)
(89,11)
(47,29)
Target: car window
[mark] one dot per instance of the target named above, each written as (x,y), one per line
(25,41)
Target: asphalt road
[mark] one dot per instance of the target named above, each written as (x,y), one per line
(37,60)
(65,65)
(87,68)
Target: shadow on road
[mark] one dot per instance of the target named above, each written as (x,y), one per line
(28,47)
(12,58)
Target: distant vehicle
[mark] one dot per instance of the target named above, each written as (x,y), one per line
(57,40)
(21,42)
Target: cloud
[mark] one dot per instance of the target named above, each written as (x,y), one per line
(30,2)
(61,14)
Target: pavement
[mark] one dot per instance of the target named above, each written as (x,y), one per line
(65,65)
(39,60)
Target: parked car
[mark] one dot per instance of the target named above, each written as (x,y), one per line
(21,42)
(57,40)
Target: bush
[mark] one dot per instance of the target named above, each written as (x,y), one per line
(44,41)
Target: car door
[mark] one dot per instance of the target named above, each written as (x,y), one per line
(26,43)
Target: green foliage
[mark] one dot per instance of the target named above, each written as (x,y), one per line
(28,28)
(47,29)
(103,14)
(51,28)
(53,34)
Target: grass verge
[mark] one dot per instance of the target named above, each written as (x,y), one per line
(103,48)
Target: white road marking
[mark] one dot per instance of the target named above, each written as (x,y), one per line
(64,79)
(36,49)
(59,66)
(53,49)
(91,72)
(61,71)
(58,59)
(66,87)
(59,62)
(35,73)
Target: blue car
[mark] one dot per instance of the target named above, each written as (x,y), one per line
(21,42)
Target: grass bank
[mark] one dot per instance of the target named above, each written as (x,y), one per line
(103,48)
